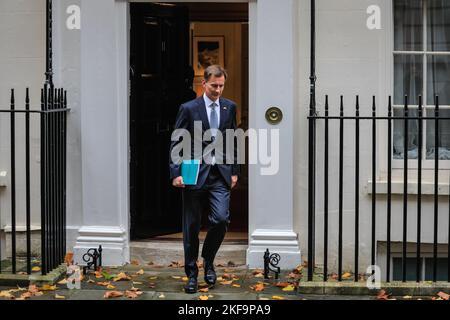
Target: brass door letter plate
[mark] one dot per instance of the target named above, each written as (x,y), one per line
(274,115)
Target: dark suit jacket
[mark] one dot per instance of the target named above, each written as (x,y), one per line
(195,110)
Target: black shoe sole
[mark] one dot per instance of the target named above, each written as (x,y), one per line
(190,291)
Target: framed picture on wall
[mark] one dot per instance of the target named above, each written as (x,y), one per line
(207,51)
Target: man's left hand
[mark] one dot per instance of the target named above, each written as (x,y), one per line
(234,180)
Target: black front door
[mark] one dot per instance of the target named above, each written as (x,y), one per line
(159,54)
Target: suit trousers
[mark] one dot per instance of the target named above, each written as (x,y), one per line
(213,196)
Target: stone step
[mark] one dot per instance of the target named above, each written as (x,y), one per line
(165,252)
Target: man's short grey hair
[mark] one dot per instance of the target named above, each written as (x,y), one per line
(214,70)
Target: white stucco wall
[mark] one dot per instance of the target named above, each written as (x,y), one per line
(22,64)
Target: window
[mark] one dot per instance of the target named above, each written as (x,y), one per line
(426,267)
(422,67)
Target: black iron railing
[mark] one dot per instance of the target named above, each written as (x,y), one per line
(52,116)
(314,185)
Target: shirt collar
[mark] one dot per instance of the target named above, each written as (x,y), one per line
(208,101)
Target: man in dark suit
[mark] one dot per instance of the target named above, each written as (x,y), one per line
(216,176)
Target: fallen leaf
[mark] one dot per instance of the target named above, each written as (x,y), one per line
(151,285)
(26,295)
(226,282)
(236,285)
(132,294)
(150,263)
(110,286)
(258,287)
(346,275)
(382,295)
(122,276)
(47,287)
(256,271)
(161,296)
(68,259)
(36,269)
(63,281)
(6,294)
(98,274)
(185,278)
(104,283)
(259,275)
(152,278)
(262,298)
(294,275)
(32,288)
(202,297)
(176,277)
(112,294)
(443,295)
(298,269)
(140,272)
(57,296)
(278,298)
(282,284)
(135,282)
(135,262)
(407,297)
(289,288)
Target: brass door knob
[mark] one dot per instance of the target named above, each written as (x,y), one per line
(274,115)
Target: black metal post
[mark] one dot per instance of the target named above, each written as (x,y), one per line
(325,231)
(13,182)
(49,44)
(357,190)
(389,192)
(27,174)
(419,193)
(436,186)
(405,190)
(43,182)
(341,185)
(374,178)
(312,149)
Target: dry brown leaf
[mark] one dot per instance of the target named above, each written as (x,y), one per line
(258,287)
(294,275)
(150,263)
(140,272)
(113,294)
(63,281)
(57,296)
(6,294)
(135,262)
(122,276)
(256,271)
(236,285)
(282,284)
(346,275)
(226,282)
(132,294)
(47,287)
(26,295)
(443,295)
(110,287)
(32,288)
(104,283)
(98,274)
(278,298)
(203,297)
(68,259)
(382,295)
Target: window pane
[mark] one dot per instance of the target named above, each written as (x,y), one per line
(441,274)
(411,272)
(443,137)
(399,134)
(408,75)
(438,79)
(438,25)
(408,25)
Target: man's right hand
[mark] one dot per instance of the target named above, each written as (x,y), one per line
(178,182)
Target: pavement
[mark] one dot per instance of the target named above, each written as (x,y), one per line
(150,282)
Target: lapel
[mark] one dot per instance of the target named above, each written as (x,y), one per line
(202,112)
(223,112)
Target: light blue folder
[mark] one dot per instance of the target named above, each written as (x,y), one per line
(189,171)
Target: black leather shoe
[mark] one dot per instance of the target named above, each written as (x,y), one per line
(210,274)
(191,286)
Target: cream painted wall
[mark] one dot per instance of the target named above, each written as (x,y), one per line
(22,64)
